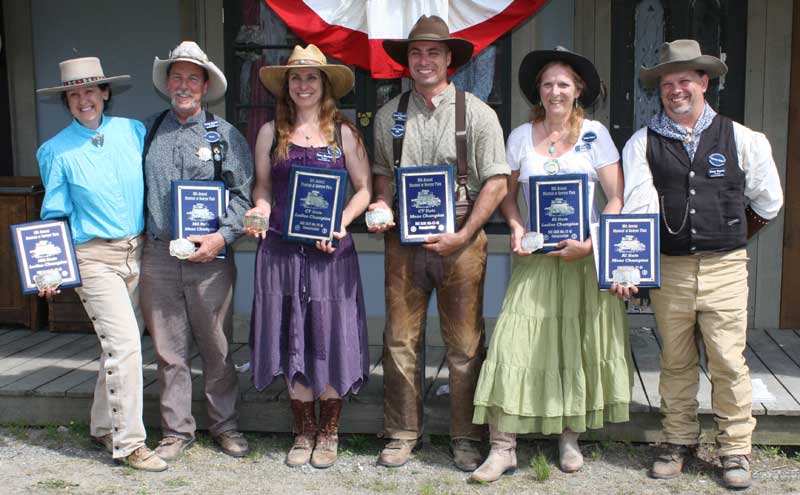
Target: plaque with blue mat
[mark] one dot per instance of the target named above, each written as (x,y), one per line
(559,208)
(45,254)
(426,202)
(197,206)
(629,250)
(314,204)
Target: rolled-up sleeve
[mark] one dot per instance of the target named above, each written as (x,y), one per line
(640,192)
(762,182)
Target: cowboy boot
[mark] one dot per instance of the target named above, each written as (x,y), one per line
(570,457)
(502,457)
(304,427)
(327,436)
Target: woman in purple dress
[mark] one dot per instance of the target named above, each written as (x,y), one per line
(308,321)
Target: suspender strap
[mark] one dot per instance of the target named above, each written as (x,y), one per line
(217,147)
(461,146)
(151,134)
(399,128)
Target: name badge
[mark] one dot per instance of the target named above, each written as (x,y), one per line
(398,130)
(399,117)
(717,168)
(589,137)
(583,147)
(213,137)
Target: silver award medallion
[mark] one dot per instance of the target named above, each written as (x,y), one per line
(627,276)
(256,222)
(48,279)
(379,216)
(551,166)
(181,248)
(532,241)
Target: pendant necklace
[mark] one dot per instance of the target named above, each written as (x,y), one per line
(551,165)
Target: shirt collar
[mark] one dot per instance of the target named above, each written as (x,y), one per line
(445,96)
(85,131)
(197,118)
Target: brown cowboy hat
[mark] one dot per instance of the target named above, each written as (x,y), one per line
(430,28)
(537,59)
(340,76)
(679,56)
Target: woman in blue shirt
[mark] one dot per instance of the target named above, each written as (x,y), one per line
(92,172)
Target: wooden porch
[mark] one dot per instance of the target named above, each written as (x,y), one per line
(48,378)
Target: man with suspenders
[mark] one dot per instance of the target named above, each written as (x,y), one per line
(192,300)
(432,125)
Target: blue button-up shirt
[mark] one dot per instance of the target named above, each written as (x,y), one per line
(99,187)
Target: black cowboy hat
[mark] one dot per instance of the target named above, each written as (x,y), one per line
(535,60)
(430,28)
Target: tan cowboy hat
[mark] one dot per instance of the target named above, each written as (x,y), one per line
(189,51)
(81,72)
(537,59)
(679,56)
(340,76)
(430,28)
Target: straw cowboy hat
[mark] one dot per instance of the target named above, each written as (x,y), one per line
(188,51)
(430,28)
(679,56)
(537,59)
(81,72)
(340,76)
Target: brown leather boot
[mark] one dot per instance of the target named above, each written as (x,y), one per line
(325,451)
(670,461)
(736,471)
(304,427)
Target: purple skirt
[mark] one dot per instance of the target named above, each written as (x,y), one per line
(308,320)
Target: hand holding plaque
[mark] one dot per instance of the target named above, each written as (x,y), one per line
(197,208)
(426,202)
(629,251)
(45,256)
(559,208)
(314,204)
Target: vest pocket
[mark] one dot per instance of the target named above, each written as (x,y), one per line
(732,212)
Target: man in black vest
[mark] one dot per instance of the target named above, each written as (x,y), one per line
(714,183)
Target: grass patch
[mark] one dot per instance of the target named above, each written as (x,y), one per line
(17,429)
(56,484)
(427,489)
(540,465)
(176,482)
(771,451)
(358,444)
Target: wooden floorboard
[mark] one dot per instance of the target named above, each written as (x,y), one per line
(51,378)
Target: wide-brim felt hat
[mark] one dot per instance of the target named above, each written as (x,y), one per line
(534,61)
(430,28)
(189,51)
(81,72)
(680,56)
(340,77)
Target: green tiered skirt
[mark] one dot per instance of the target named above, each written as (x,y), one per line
(559,356)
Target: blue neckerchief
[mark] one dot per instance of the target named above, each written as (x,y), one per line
(663,125)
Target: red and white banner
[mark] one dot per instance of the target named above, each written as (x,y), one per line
(352,30)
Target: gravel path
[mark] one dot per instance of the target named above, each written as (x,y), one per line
(60,459)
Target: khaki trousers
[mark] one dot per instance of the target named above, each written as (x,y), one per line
(110,294)
(412,272)
(709,290)
(184,301)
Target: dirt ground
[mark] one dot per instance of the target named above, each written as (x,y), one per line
(60,459)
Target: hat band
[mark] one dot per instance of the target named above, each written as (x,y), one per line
(82,80)
(304,61)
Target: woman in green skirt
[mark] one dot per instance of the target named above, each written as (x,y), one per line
(559,359)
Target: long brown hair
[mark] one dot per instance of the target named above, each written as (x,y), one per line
(575,122)
(329,117)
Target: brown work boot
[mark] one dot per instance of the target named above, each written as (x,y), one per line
(325,451)
(105,441)
(233,443)
(396,452)
(171,447)
(502,457)
(670,461)
(570,458)
(736,471)
(304,427)
(466,455)
(144,459)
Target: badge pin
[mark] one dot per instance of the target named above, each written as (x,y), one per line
(398,130)
(583,147)
(213,137)
(98,140)
(589,137)
(399,117)
(717,159)
(204,154)
(211,125)
(714,173)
